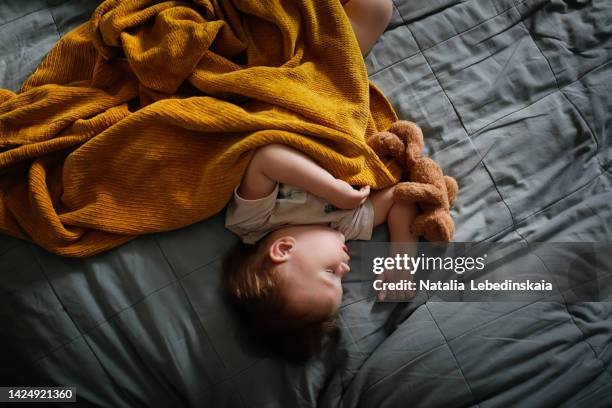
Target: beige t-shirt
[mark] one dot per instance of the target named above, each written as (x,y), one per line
(289,205)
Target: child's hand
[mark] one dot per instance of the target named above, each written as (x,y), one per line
(345,197)
(397,276)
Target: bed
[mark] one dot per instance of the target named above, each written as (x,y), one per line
(514,98)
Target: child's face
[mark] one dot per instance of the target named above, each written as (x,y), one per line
(313,260)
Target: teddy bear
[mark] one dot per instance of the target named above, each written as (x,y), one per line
(434,192)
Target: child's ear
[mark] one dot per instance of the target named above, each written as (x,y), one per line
(280,249)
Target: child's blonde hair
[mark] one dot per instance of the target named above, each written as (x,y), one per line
(254,287)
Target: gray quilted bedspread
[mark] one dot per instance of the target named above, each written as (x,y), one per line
(515,100)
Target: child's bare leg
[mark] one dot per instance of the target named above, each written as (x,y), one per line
(369,18)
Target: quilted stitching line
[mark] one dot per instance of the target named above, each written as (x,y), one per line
(468,133)
(84,333)
(584,340)
(61,346)
(392,27)
(514,7)
(467,29)
(548,206)
(55,23)
(493,320)
(123,309)
(571,318)
(179,280)
(418,356)
(108,319)
(452,353)
(604,169)
(81,333)
(344,385)
(543,97)
(588,127)
(522,21)
(439,83)
(154,374)
(48,7)
(512,218)
(345,305)
(10,247)
(557,84)
(403,59)
(421,50)
(58,4)
(342,381)
(515,224)
(22,16)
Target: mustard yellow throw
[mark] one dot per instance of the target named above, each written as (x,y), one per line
(144,119)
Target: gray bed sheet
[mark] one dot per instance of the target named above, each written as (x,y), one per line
(515,100)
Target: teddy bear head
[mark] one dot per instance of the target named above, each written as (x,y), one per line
(412,137)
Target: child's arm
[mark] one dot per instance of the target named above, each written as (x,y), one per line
(399,218)
(279,163)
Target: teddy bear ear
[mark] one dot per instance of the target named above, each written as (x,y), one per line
(387,146)
(408,132)
(412,136)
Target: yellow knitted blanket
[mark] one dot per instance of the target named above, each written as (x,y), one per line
(144,119)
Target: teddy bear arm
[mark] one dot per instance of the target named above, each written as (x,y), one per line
(452,189)
(435,227)
(411,192)
(418,225)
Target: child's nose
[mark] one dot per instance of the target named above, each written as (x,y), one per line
(344,269)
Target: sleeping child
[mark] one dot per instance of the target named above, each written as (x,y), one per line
(294,218)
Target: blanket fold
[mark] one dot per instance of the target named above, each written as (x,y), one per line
(144,119)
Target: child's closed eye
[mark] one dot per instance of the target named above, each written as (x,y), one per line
(333,271)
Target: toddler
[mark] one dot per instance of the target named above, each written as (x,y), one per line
(294,218)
